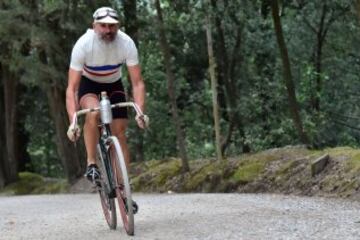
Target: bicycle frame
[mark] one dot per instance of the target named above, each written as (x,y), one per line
(117,182)
(105,128)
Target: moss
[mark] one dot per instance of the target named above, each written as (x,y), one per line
(353,164)
(248,172)
(60,186)
(350,185)
(26,183)
(289,152)
(285,168)
(31,183)
(330,183)
(290,173)
(28,176)
(166,170)
(154,163)
(251,166)
(261,157)
(341,151)
(201,176)
(136,183)
(156,175)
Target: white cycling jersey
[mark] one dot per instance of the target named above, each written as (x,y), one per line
(101,61)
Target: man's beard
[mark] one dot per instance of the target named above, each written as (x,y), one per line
(107,37)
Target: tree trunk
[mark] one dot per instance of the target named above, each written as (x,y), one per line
(67,152)
(10,101)
(226,77)
(357,6)
(2,136)
(317,58)
(2,176)
(171,89)
(24,159)
(321,33)
(214,90)
(131,28)
(293,104)
(131,22)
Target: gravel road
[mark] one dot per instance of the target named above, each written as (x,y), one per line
(182,216)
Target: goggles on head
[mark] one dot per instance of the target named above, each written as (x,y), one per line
(105,13)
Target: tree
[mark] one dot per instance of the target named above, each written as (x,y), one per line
(171,88)
(228,62)
(51,59)
(15,46)
(11,117)
(330,12)
(131,28)
(39,60)
(320,76)
(214,86)
(2,137)
(293,104)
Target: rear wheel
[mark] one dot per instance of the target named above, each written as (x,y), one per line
(107,204)
(123,191)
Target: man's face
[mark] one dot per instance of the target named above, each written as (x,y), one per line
(106,31)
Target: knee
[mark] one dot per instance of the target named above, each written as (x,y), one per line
(121,135)
(118,128)
(92,120)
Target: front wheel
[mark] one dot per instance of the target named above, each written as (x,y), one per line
(123,191)
(107,204)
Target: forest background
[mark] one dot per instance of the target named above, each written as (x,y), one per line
(286,74)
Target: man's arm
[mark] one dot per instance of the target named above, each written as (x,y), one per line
(74,78)
(138,85)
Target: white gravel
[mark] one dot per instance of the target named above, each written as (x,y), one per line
(182,216)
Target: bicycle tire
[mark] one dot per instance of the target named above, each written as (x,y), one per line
(123,191)
(107,204)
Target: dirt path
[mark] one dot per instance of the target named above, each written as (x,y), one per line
(182,216)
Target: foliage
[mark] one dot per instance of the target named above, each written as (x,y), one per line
(37,37)
(41,147)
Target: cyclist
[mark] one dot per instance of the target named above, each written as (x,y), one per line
(95,66)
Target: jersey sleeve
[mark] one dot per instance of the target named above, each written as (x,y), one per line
(78,56)
(131,54)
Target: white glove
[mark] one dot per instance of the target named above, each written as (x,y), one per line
(74,132)
(142,121)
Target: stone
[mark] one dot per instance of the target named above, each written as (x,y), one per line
(319,164)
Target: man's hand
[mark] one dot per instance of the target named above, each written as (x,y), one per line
(142,121)
(74,132)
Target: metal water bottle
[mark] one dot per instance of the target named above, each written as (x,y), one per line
(105,109)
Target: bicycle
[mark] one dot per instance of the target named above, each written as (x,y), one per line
(114,181)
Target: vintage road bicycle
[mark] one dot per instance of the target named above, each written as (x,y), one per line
(114,181)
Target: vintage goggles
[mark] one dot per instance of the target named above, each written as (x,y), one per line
(98,15)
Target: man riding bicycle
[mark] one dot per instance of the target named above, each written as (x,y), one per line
(95,66)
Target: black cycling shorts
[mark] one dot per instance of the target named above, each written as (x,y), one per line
(114,90)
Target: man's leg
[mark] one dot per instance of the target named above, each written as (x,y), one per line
(91,133)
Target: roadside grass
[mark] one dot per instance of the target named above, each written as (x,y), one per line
(275,170)
(31,183)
